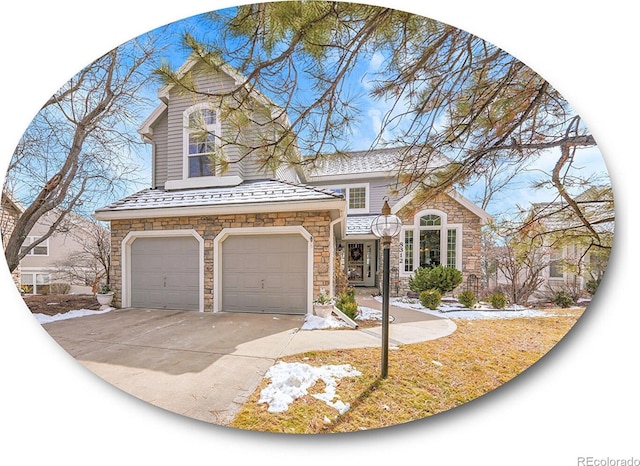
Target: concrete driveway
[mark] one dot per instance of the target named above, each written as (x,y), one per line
(205,365)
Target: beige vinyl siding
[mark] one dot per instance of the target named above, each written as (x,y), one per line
(177,105)
(287,173)
(170,162)
(160,150)
(379,188)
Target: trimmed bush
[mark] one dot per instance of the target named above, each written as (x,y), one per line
(498,300)
(467,298)
(443,279)
(350,308)
(562,299)
(346,302)
(419,281)
(592,286)
(59,288)
(430,299)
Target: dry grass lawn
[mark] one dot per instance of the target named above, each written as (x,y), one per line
(424,379)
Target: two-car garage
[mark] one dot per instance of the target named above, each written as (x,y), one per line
(260,271)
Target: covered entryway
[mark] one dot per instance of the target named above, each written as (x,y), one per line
(264,273)
(165,273)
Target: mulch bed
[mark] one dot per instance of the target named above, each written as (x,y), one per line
(52,304)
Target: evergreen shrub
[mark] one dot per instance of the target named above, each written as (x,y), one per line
(443,279)
(346,302)
(467,298)
(563,299)
(498,300)
(430,299)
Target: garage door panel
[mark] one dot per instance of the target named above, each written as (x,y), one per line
(265,273)
(165,273)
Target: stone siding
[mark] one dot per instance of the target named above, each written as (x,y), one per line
(208,227)
(456,214)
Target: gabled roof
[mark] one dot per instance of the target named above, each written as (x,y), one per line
(187,66)
(8,198)
(595,203)
(250,196)
(467,203)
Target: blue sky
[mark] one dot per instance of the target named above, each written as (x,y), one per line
(372,112)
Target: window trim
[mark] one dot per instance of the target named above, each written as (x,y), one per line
(186,132)
(29,240)
(34,278)
(415,228)
(556,259)
(347,195)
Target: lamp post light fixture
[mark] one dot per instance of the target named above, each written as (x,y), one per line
(385,226)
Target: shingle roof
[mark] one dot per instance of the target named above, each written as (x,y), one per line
(359,224)
(368,161)
(357,162)
(251,192)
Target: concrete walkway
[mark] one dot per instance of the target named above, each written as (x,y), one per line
(206,365)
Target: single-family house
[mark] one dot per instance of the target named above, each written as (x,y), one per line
(64,262)
(255,239)
(9,213)
(573,257)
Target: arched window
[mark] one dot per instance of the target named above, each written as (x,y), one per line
(429,242)
(201,135)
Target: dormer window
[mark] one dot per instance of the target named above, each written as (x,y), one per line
(201,135)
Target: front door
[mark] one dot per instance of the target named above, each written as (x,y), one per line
(360,263)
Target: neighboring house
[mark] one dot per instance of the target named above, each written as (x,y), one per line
(571,262)
(11,210)
(251,240)
(60,260)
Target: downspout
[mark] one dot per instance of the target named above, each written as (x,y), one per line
(332,251)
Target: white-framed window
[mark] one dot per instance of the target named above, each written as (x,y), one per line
(357,196)
(41,249)
(429,242)
(556,269)
(35,283)
(201,139)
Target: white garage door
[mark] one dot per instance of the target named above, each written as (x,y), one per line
(165,273)
(265,273)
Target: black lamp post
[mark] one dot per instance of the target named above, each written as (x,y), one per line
(385,226)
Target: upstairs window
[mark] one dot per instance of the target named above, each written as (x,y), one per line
(41,249)
(357,197)
(201,134)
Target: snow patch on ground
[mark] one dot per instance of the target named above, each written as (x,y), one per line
(45,319)
(452,309)
(313,322)
(290,381)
